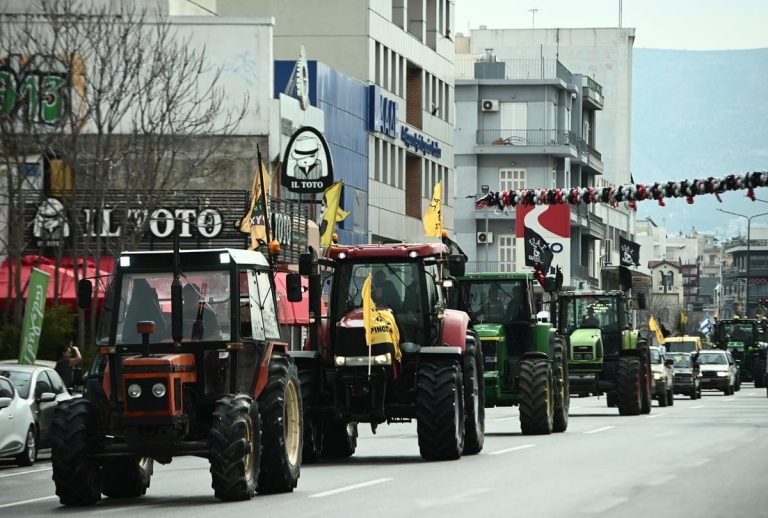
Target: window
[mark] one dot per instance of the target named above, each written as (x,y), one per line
(511,179)
(506,252)
(42,385)
(56,382)
(6,389)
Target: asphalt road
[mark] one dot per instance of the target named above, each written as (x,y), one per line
(703,458)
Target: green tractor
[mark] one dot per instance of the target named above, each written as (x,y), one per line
(524,360)
(605,354)
(746,339)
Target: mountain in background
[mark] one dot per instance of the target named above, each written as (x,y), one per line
(697,114)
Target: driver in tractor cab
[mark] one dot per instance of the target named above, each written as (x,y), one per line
(590,320)
(494,307)
(200,321)
(384,292)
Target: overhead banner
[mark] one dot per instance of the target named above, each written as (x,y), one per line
(629,252)
(34,311)
(307,165)
(548,225)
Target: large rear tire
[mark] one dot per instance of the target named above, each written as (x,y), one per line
(536,398)
(339,439)
(74,435)
(126,477)
(629,394)
(440,411)
(313,436)
(562,395)
(662,396)
(670,397)
(474,403)
(758,372)
(235,447)
(281,427)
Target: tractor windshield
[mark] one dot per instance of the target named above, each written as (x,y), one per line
(147,296)
(590,312)
(497,301)
(739,331)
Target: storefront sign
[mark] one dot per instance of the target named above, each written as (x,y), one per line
(420,144)
(382,112)
(307,165)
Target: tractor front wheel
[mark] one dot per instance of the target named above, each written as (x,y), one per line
(126,477)
(474,403)
(440,411)
(73,437)
(629,393)
(281,424)
(562,396)
(313,436)
(536,408)
(235,447)
(662,396)
(339,439)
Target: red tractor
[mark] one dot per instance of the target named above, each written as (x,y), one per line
(433,374)
(190,363)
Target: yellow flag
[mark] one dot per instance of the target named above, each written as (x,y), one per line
(332,214)
(249,225)
(433,216)
(380,325)
(654,326)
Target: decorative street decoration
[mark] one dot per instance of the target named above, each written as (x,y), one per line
(629,193)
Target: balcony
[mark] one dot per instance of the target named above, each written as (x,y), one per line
(592,93)
(477,66)
(592,158)
(523,142)
(594,225)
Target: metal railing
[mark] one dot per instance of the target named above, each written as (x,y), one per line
(588,82)
(516,68)
(522,137)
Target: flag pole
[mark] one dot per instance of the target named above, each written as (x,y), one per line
(263,196)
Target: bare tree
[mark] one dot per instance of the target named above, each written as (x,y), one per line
(141,110)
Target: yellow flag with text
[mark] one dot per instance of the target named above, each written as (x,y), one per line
(380,325)
(253,222)
(654,326)
(433,216)
(332,214)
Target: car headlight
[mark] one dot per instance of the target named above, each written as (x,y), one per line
(723,374)
(656,376)
(134,390)
(158,390)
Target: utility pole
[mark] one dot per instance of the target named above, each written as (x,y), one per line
(533,17)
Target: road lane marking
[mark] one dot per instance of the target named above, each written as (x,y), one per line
(729,399)
(661,481)
(698,463)
(350,488)
(25,472)
(699,406)
(598,430)
(516,448)
(654,416)
(751,394)
(666,434)
(31,500)
(506,418)
(606,504)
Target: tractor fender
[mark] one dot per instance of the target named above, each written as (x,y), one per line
(306,360)
(455,326)
(440,352)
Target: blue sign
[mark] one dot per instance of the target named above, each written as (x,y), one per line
(382,112)
(419,144)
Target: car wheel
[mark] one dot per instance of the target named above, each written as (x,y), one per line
(29,455)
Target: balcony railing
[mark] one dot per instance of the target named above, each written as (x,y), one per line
(588,82)
(517,68)
(518,137)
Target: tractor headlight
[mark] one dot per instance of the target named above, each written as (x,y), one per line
(723,374)
(134,390)
(158,390)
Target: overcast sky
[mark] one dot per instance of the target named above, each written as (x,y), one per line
(659,24)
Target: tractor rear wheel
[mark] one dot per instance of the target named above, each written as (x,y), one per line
(536,398)
(339,439)
(235,447)
(670,397)
(474,403)
(562,396)
(629,394)
(440,411)
(758,372)
(610,399)
(73,437)
(662,396)
(281,426)
(126,477)
(313,436)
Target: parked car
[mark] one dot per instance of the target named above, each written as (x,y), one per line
(718,370)
(18,437)
(683,344)
(663,377)
(687,375)
(42,389)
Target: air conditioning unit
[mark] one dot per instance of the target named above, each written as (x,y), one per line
(485,237)
(489,105)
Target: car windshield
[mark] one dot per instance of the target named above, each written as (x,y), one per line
(20,380)
(712,359)
(655,356)
(682,360)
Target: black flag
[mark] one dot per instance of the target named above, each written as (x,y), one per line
(537,251)
(629,252)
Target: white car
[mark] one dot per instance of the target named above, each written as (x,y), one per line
(17,426)
(663,381)
(718,370)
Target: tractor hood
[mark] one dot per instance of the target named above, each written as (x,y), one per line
(585,336)
(489,330)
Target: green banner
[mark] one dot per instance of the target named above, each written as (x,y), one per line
(34,311)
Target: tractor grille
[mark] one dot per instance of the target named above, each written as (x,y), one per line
(350,341)
(489,355)
(582,352)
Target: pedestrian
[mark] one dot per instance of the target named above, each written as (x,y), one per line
(69,358)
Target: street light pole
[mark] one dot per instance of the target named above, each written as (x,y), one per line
(749,258)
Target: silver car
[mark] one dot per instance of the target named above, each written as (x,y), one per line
(42,388)
(17,426)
